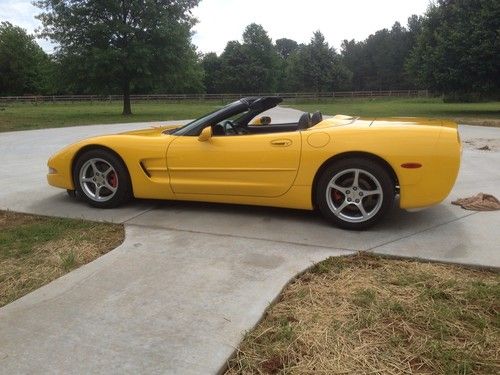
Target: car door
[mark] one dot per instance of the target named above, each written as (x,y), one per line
(263,165)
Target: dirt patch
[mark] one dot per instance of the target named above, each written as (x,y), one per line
(35,250)
(364,314)
(482,144)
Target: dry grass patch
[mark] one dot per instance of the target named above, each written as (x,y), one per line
(364,314)
(35,250)
(491,122)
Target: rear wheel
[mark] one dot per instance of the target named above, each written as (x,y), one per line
(355,193)
(101,179)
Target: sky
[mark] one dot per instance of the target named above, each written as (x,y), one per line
(220,21)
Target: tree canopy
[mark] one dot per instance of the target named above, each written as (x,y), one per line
(144,46)
(457,50)
(316,67)
(24,66)
(250,66)
(378,63)
(124,44)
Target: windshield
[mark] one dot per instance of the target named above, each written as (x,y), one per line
(185,130)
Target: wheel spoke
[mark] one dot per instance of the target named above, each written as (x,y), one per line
(333,185)
(109,187)
(364,214)
(106,172)
(355,182)
(342,206)
(371,192)
(98,192)
(94,167)
(88,179)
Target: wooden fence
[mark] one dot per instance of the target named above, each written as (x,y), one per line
(219,97)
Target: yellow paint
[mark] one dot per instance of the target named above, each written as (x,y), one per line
(318,140)
(277,169)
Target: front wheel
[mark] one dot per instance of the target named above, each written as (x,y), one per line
(355,193)
(101,179)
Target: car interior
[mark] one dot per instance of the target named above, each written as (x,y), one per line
(243,124)
(246,116)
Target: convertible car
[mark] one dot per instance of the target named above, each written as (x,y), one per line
(350,169)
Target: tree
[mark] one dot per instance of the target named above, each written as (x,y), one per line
(233,73)
(316,67)
(261,60)
(250,66)
(122,44)
(356,60)
(23,64)
(458,50)
(212,68)
(285,47)
(378,62)
(414,28)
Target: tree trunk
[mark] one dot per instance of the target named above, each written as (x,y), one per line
(127,109)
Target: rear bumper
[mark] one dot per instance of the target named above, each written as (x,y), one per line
(439,173)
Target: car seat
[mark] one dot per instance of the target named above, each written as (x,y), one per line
(304,121)
(316,118)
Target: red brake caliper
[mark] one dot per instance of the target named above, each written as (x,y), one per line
(113,179)
(337,196)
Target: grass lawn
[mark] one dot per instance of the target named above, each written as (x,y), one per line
(54,115)
(35,250)
(364,314)
(51,115)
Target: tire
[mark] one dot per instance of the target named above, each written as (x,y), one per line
(355,205)
(102,179)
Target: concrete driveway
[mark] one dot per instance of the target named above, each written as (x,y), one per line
(190,277)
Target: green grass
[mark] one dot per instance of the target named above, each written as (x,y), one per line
(21,240)
(35,250)
(52,115)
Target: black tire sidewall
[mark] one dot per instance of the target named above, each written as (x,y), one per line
(122,195)
(371,166)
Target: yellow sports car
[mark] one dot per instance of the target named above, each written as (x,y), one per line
(349,168)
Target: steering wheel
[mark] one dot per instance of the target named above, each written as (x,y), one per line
(230,127)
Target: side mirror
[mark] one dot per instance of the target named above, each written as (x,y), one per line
(264,120)
(205,134)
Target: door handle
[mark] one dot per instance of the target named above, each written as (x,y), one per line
(281,142)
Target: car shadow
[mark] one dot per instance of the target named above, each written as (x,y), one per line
(289,225)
